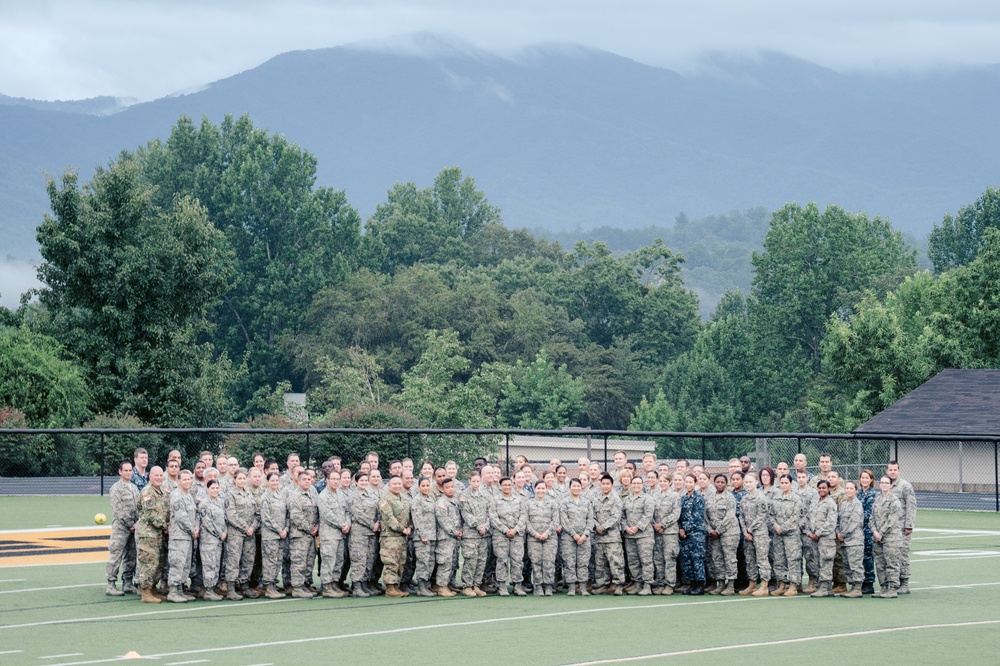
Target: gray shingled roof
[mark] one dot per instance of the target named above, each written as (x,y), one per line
(954,402)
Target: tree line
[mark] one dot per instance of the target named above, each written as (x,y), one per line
(194,280)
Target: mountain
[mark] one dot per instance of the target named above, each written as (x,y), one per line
(563,137)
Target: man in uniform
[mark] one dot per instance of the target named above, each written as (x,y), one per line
(154,515)
(610,561)
(448,515)
(304,520)
(903,490)
(139,476)
(825,465)
(397,525)
(121,548)
(183,531)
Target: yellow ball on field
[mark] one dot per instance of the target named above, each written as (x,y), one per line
(100,519)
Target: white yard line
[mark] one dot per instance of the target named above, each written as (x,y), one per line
(46,589)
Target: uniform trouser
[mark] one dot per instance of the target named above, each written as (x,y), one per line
(149,560)
(376,566)
(491,560)
(723,554)
(592,565)
(239,557)
(639,554)
(610,562)
(525,560)
(302,559)
(810,553)
(411,562)
(741,562)
(332,562)
(211,557)
(423,566)
(543,560)
(286,561)
(121,555)
(853,558)
(576,558)
(888,556)
(788,557)
(869,557)
(693,557)
(392,550)
(271,551)
(510,557)
(444,556)
(346,568)
(179,554)
(257,556)
(904,556)
(838,568)
(473,561)
(362,556)
(666,548)
(757,551)
(826,549)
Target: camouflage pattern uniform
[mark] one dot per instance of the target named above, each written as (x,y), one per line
(212,518)
(333,515)
(124,516)
(887,519)
(810,549)
(903,490)
(140,481)
(303,518)
(273,521)
(786,515)
(666,549)
(610,560)
(822,521)
(475,509)
(183,523)
(754,513)
(867,498)
(850,527)
(241,514)
(154,514)
(637,511)
(424,527)
(449,524)
(364,515)
(720,516)
(692,521)
(508,514)
(394,512)
(542,516)
(576,517)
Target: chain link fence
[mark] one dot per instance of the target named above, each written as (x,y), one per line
(947,472)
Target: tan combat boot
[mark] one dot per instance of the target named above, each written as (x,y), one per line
(148,597)
(445,591)
(729,590)
(778,591)
(393,592)
(760,591)
(749,589)
(791,591)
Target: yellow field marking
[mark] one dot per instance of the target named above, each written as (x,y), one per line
(75,546)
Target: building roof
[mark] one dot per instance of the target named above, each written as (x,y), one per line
(955,402)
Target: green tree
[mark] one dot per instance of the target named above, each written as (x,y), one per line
(127,286)
(357,383)
(958,240)
(542,396)
(39,382)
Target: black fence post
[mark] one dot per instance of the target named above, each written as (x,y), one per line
(307,451)
(409,449)
(702,451)
(506,460)
(102,464)
(895,450)
(798,441)
(605,453)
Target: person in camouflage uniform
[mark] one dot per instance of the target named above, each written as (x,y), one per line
(821,526)
(274,531)
(241,516)
(303,519)
(887,527)
(903,490)
(121,548)
(183,531)
(364,526)
(637,528)
(867,494)
(754,510)
(724,536)
(334,524)
(666,547)
(474,505)
(851,539)
(508,518)
(212,521)
(610,560)
(394,516)
(449,533)
(541,526)
(576,518)
(154,516)
(786,516)
(806,490)
(692,533)
(424,536)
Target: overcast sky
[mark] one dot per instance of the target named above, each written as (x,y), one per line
(72,49)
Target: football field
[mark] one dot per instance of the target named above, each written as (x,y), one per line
(53,611)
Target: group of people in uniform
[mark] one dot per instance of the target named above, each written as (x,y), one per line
(221,531)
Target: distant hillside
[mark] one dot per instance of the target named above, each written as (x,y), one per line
(564,137)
